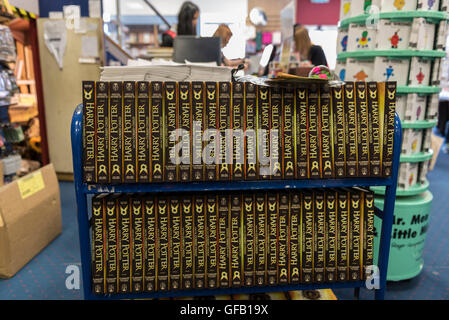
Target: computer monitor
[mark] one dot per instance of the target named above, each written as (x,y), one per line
(197,49)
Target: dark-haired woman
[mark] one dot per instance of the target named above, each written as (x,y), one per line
(187,21)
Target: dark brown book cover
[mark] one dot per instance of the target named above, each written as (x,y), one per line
(388,134)
(143,128)
(283,230)
(223,240)
(261,242)
(250,128)
(288,134)
(175,243)
(187,243)
(102,132)
(171,124)
(307,237)
(276,133)
(200,245)
(339,131)
(375,138)
(98,245)
(115,131)
(302,134)
(212,241)
(224,123)
(150,221)
(342,236)
(235,229)
(319,237)
(351,130)
(163,244)
(211,136)
(295,238)
(263,133)
(198,116)
(157,132)
(273,234)
(89,125)
(327,161)
(355,225)
(314,162)
(111,245)
(331,237)
(137,250)
(185,109)
(249,239)
(363,142)
(124,241)
(129,132)
(238,138)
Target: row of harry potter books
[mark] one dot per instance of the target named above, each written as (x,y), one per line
(235,131)
(147,243)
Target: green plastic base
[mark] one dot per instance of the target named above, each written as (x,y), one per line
(412,191)
(420,124)
(419,157)
(368,54)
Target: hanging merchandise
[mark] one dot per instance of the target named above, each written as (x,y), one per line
(55,36)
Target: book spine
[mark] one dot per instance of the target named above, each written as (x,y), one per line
(368,233)
(307,238)
(327,161)
(339,134)
(314,131)
(235,237)
(200,243)
(249,239)
(143,128)
(351,130)
(150,219)
(223,241)
(124,263)
(212,131)
(374,130)
(263,132)
(331,237)
(171,124)
(102,132)
(157,133)
(163,244)
(129,132)
(175,243)
(111,247)
(212,242)
(272,245)
(261,236)
(355,251)
(198,127)
(237,132)
(342,236)
(224,123)
(362,130)
(115,132)
(276,150)
(98,246)
(295,238)
(284,208)
(250,127)
(287,136)
(302,134)
(185,103)
(89,131)
(388,134)
(187,243)
(137,245)
(319,238)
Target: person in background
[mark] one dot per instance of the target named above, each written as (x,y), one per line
(307,50)
(225,34)
(187,21)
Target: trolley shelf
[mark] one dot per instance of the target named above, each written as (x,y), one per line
(83,190)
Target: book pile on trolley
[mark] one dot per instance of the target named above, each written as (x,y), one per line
(193,132)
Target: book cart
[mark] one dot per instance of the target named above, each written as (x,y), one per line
(84,192)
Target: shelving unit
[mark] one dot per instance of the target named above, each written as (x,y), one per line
(83,191)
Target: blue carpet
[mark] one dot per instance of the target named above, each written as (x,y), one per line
(44,277)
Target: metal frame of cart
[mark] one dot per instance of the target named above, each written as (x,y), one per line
(83,190)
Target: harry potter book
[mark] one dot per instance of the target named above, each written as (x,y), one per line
(287,137)
(98,245)
(283,230)
(129,132)
(295,238)
(89,125)
(115,131)
(124,242)
(223,240)
(185,123)
(163,244)
(250,129)
(338,132)
(248,239)
(238,137)
(143,127)
(272,238)
(327,161)
(351,130)
(276,133)
(187,243)
(307,234)
(319,237)
(102,132)
(150,222)
(375,138)
(302,125)
(198,116)
(330,270)
(175,243)
(171,124)
(212,241)
(224,123)
(235,229)
(263,133)
(314,152)
(388,130)
(199,241)
(111,244)
(137,247)
(261,239)
(363,152)
(157,132)
(368,232)
(355,225)
(212,144)
(342,235)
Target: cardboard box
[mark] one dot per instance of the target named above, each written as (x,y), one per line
(360,37)
(393,35)
(415,107)
(412,141)
(359,70)
(420,72)
(398,6)
(386,69)
(30,218)
(428,5)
